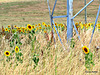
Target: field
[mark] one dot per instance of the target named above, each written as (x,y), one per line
(33,52)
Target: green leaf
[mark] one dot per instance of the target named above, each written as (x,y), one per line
(34,66)
(20,54)
(13,51)
(86,57)
(20,43)
(37,61)
(12,40)
(35,38)
(17,58)
(13,31)
(29,37)
(7,60)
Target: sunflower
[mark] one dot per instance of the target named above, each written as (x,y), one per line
(23,31)
(80,22)
(62,25)
(16,49)
(81,26)
(9,26)
(39,24)
(9,30)
(98,27)
(23,28)
(40,27)
(76,23)
(29,27)
(3,29)
(20,30)
(84,25)
(15,26)
(33,26)
(7,53)
(55,24)
(6,29)
(85,49)
(43,23)
(45,31)
(58,24)
(37,28)
(89,24)
(48,25)
(36,25)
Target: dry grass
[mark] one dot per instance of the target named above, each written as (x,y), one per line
(68,62)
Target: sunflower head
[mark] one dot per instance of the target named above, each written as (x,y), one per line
(39,24)
(40,27)
(9,30)
(58,24)
(29,27)
(80,22)
(48,25)
(33,26)
(20,30)
(6,29)
(36,25)
(23,31)
(43,23)
(3,29)
(45,31)
(55,24)
(15,26)
(76,23)
(89,24)
(62,25)
(84,25)
(99,27)
(85,49)
(16,49)
(9,26)
(7,53)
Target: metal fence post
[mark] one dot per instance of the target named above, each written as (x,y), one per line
(85,12)
(69,20)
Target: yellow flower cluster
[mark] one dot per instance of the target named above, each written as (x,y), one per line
(44,26)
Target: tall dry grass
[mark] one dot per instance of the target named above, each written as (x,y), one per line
(68,62)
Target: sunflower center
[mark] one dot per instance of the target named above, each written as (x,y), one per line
(16,49)
(29,27)
(19,30)
(7,53)
(33,26)
(85,49)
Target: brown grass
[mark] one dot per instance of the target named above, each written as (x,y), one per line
(71,62)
